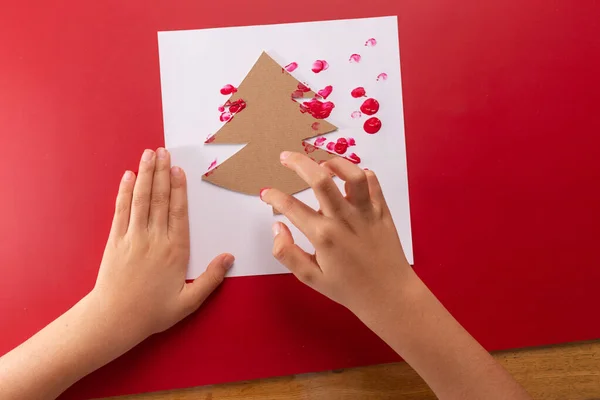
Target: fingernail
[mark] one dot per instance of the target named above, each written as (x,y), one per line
(263,191)
(147,156)
(276,228)
(366,169)
(161,153)
(284,155)
(228,261)
(176,171)
(127,176)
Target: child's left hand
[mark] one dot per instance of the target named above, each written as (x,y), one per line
(142,275)
(140,290)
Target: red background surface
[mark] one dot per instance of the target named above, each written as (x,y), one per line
(503,135)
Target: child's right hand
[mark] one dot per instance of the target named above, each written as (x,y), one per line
(359,263)
(358,258)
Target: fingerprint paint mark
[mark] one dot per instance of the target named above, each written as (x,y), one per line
(371,42)
(320,65)
(355,58)
(291,67)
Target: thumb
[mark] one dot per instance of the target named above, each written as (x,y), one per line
(195,293)
(299,262)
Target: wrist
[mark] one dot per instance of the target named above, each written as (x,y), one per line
(117,323)
(397,298)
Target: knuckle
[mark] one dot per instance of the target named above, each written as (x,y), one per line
(160,199)
(286,205)
(324,234)
(322,182)
(161,165)
(359,178)
(178,211)
(147,167)
(121,206)
(140,200)
(371,176)
(216,279)
(279,252)
(305,276)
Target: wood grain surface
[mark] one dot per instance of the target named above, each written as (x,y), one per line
(570,371)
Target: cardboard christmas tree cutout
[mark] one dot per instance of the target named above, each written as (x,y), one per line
(268,123)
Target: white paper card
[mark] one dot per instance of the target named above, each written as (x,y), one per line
(196,64)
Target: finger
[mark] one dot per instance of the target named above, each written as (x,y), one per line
(299,214)
(375,191)
(327,192)
(123,205)
(142,191)
(195,293)
(299,262)
(357,187)
(161,191)
(179,226)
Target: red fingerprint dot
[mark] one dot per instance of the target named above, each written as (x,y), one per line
(228,89)
(370,106)
(340,148)
(354,158)
(358,92)
(330,146)
(372,125)
(317,108)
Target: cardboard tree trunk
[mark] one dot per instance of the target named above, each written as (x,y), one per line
(271,123)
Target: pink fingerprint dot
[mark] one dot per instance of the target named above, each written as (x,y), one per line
(325,92)
(320,141)
(291,67)
(221,108)
(319,65)
(226,116)
(210,139)
(382,77)
(351,142)
(355,58)
(315,126)
(356,114)
(331,146)
(371,42)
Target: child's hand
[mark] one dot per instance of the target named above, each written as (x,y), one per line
(358,258)
(142,275)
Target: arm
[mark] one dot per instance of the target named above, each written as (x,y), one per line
(359,263)
(140,290)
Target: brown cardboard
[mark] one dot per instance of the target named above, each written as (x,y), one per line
(270,124)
